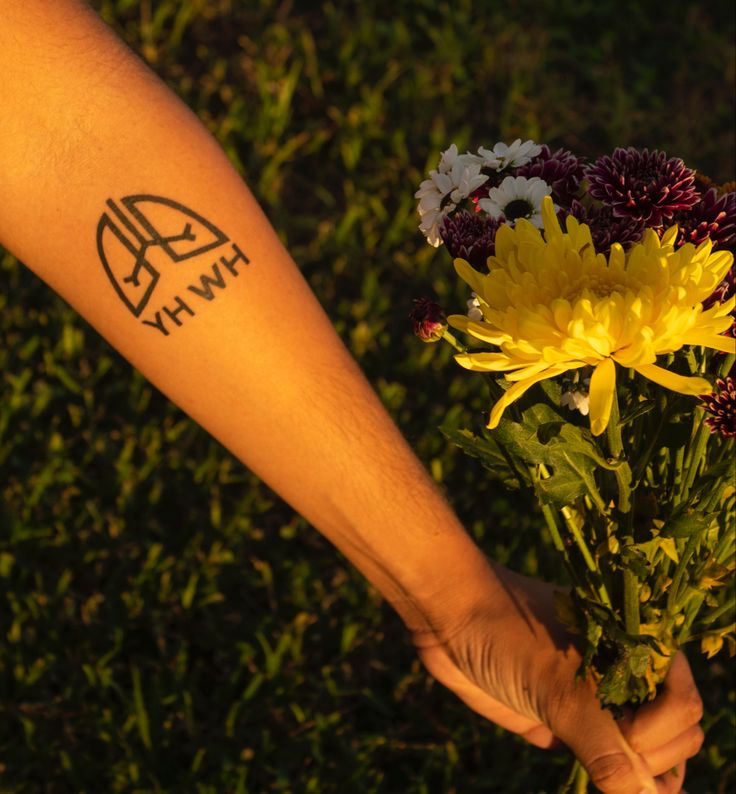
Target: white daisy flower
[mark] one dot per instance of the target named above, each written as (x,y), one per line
(503,156)
(434,205)
(576,401)
(451,156)
(577,397)
(456,178)
(474,310)
(517,197)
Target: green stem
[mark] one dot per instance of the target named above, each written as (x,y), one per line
(645,458)
(616,447)
(715,497)
(581,781)
(631,602)
(724,547)
(691,612)
(723,609)
(449,337)
(694,456)
(576,781)
(613,430)
(554,530)
(674,593)
(726,365)
(577,535)
(677,470)
(551,519)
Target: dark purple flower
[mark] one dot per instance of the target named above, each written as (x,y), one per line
(471,236)
(428,320)
(562,171)
(712,217)
(605,227)
(643,185)
(721,405)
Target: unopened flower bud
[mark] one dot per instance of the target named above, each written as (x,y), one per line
(428,320)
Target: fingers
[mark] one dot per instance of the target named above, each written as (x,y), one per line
(653,742)
(593,735)
(541,736)
(685,746)
(666,731)
(677,710)
(671,781)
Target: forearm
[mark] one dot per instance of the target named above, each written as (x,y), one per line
(95,147)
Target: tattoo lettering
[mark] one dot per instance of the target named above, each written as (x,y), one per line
(141,245)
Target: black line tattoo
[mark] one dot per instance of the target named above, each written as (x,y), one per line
(127,238)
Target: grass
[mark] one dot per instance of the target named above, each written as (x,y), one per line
(166,623)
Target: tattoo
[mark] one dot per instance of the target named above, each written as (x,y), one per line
(140,245)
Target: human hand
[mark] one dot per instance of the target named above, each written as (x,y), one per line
(514,664)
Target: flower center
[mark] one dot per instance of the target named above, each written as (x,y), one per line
(518,208)
(599,287)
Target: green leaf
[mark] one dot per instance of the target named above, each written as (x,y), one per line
(640,409)
(568,482)
(487,450)
(635,561)
(638,659)
(541,436)
(569,453)
(686,523)
(549,430)
(623,683)
(141,714)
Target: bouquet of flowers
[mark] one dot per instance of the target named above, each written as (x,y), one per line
(601,311)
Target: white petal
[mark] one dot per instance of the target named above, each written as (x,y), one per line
(447,159)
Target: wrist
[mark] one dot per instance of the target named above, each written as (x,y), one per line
(445,587)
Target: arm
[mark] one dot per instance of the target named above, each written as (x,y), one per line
(116,196)
(233,335)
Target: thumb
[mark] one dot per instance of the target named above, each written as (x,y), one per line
(592,734)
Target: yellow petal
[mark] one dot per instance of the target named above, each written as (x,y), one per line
(711,644)
(726,344)
(671,380)
(469,275)
(488,362)
(669,237)
(720,263)
(551,224)
(602,385)
(719,309)
(514,392)
(528,372)
(480,330)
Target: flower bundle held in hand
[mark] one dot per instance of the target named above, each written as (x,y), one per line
(605,291)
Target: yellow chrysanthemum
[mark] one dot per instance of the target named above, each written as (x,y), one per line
(552,304)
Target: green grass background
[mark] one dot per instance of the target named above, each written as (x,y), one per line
(166,623)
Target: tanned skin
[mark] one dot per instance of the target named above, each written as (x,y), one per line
(115,195)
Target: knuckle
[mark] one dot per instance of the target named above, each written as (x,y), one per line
(609,769)
(694,707)
(696,741)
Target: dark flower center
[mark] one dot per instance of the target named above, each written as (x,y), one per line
(518,208)
(648,174)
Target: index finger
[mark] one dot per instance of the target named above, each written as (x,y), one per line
(675,711)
